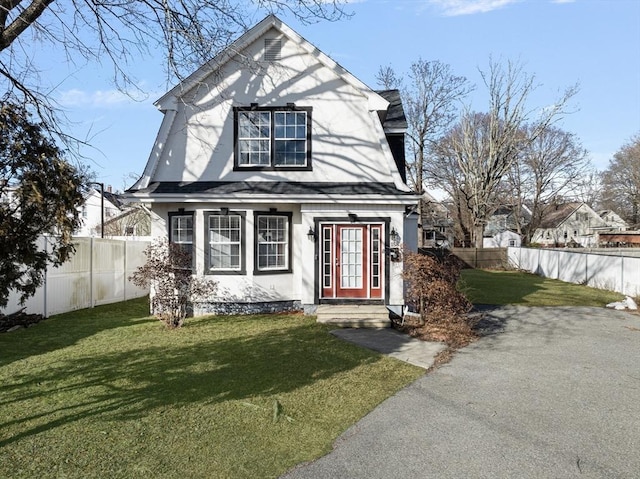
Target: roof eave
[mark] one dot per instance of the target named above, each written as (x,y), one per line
(404,199)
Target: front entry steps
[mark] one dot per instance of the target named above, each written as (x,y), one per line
(354,316)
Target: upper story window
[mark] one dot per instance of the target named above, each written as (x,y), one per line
(273,138)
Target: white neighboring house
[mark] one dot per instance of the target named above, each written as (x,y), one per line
(502,239)
(613,220)
(499,231)
(90,212)
(570,224)
(284,175)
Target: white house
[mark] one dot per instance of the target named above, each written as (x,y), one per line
(502,239)
(91,215)
(613,220)
(569,224)
(500,231)
(284,175)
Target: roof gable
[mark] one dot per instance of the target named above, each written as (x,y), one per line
(168,101)
(562,213)
(555,217)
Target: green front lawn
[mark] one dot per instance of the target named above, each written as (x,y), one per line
(515,287)
(108,392)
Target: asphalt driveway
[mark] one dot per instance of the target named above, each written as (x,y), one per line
(551,393)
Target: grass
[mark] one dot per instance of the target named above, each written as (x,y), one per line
(108,392)
(515,287)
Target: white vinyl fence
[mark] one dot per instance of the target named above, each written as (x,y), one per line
(604,271)
(96,274)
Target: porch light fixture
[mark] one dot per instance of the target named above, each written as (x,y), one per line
(311,234)
(353,217)
(395,237)
(224,211)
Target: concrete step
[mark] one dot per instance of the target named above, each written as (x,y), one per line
(354,316)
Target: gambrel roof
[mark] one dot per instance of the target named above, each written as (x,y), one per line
(394,119)
(356,130)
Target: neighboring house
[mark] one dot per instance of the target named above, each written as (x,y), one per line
(284,175)
(133,222)
(613,221)
(437,223)
(90,213)
(569,224)
(502,239)
(500,231)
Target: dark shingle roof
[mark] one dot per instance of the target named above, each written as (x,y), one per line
(270,187)
(553,218)
(395,113)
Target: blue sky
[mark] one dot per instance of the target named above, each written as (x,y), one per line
(595,43)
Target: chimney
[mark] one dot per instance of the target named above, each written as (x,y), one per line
(109,189)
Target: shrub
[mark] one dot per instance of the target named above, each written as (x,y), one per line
(168,271)
(432,291)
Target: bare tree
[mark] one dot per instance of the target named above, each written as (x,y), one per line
(462,163)
(588,188)
(549,166)
(621,181)
(485,146)
(188,32)
(388,79)
(430,103)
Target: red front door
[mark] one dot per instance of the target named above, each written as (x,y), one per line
(351,261)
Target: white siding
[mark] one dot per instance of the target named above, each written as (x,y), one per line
(345,144)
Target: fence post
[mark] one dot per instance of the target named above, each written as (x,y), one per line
(124,286)
(45,311)
(586,269)
(91,272)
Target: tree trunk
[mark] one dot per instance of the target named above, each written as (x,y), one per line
(478,234)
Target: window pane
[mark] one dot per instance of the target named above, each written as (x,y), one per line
(254,138)
(182,234)
(224,242)
(290,138)
(290,152)
(273,242)
(182,229)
